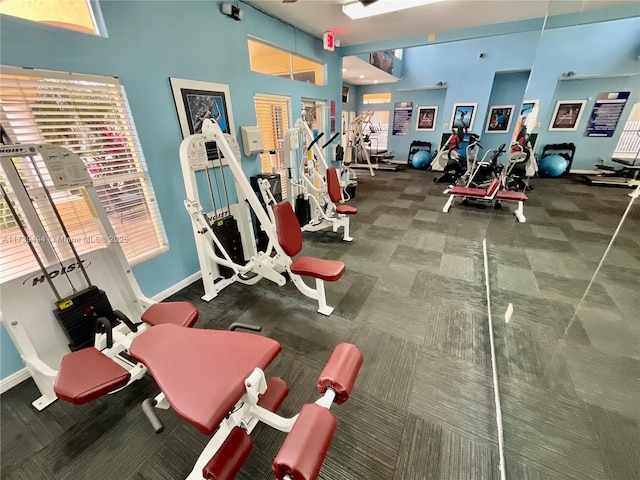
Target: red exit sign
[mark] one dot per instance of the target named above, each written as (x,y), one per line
(329,41)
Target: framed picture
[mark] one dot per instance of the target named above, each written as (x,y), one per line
(566,116)
(426,119)
(499,119)
(463,114)
(196,101)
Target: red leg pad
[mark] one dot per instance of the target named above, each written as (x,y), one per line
(226,462)
(346,210)
(183,314)
(304,449)
(87,374)
(277,391)
(341,371)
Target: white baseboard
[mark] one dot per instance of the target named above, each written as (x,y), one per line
(584,172)
(14,379)
(177,287)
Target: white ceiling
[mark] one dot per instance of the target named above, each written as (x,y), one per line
(318,16)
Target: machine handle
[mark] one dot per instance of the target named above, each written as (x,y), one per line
(108,329)
(331,140)
(315,140)
(236,325)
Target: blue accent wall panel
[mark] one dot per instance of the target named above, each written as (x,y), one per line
(148,42)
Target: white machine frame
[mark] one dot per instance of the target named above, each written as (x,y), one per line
(271,264)
(38,337)
(356,142)
(308,178)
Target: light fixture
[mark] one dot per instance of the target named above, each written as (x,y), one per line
(361,76)
(375,82)
(357,10)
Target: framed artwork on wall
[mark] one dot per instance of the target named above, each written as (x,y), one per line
(426,119)
(499,119)
(567,115)
(195,101)
(462,115)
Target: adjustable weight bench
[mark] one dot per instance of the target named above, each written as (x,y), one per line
(290,240)
(87,374)
(475,193)
(215,381)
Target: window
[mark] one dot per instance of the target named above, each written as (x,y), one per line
(281,63)
(371,98)
(90,116)
(76,15)
(273,114)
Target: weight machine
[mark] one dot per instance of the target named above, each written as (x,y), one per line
(70,334)
(214,251)
(316,190)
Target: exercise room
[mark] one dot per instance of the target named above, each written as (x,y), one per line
(305,239)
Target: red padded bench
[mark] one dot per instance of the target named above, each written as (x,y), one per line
(202,372)
(470,192)
(511,196)
(87,374)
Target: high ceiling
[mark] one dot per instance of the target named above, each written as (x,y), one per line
(318,16)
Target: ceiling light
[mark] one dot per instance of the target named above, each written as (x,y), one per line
(344,70)
(361,76)
(375,81)
(357,10)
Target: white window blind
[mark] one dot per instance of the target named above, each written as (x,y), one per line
(273,114)
(90,116)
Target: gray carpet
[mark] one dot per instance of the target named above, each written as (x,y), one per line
(413,300)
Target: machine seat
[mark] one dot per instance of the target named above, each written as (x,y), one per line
(202,372)
(87,374)
(329,270)
(346,210)
(183,314)
(511,195)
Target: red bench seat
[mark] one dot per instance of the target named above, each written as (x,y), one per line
(202,372)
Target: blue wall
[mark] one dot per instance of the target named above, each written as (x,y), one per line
(148,42)
(606,49)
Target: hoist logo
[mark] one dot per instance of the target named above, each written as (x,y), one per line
(38,279)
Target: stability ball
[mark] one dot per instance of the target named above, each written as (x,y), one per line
(553,165)
(421,159)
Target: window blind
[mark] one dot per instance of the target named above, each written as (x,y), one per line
(273,114)
(90,116)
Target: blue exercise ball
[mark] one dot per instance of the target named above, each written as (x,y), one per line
(421,159)
(553,165)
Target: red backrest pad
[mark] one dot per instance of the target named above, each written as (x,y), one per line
(493,186)
(333,185)
(287,228)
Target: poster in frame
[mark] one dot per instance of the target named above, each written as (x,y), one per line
(499,119)
(426,119)
(566,116)
(463,115)
(196,101)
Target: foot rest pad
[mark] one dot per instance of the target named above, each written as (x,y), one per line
(277,391)
(87,374)
(226,462)
(304,449)
(341,371)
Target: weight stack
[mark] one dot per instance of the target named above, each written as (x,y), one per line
(226,230)
(275,185)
